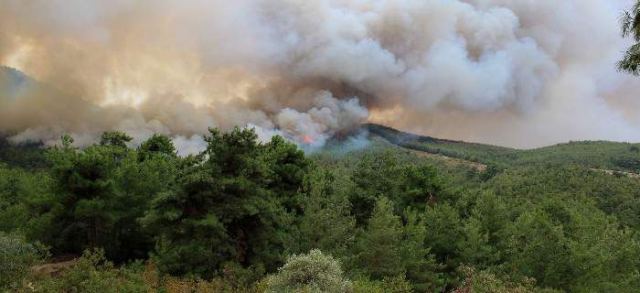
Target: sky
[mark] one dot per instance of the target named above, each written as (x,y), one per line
(524,73)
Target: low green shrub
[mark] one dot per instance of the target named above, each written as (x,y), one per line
(16,259)
(312,272)
(92,273)
(396,285)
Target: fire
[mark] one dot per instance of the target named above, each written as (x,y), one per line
(307,139)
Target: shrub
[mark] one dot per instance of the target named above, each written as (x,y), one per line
(93,273)
(313,272)
(485,282)
(228,283)
(396,285)
(16,258)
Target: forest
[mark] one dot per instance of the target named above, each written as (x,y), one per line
(114,179)
(404,214)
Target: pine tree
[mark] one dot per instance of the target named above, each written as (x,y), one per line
(631,28)
(234,203)
(420,266)
(157,145)
(326,223)
(379,248)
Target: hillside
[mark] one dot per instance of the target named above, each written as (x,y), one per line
(26,155)
(600,155)
(593,154)
(395,213)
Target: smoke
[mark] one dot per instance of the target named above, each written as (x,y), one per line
(518,73)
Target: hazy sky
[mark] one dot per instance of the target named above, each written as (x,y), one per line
(518,73)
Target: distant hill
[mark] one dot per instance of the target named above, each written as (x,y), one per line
(13,82)
(26,155)
(605,155)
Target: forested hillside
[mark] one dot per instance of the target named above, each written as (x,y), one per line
(245,216)
(595,154)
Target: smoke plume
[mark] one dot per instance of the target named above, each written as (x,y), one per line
(518,73)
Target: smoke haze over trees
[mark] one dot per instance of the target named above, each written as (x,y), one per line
(516,73)
(236,146)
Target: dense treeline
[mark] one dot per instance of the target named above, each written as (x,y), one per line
(264,217)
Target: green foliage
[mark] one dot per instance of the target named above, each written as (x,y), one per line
(16,259)
(27,155)
(631,28)
(157,145)
(481,231)
(420,266)
(115,138)
(99,194)
(553,238)
(563,217)
(445,230)
(387,249)
(379,249)
(92,273)
(457,149)
(617,196)
(326,223)
(604,255)
(396,285)
(592,154)
(630,163)
(539,248)
(313,272)
(19,190)
(383,175)
(67,141)
(234,203)
(486,282)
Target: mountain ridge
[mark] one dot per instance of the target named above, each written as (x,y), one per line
(616,156)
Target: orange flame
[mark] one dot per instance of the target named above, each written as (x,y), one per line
(307,139)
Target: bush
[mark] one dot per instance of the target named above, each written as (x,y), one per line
(313,272)
(93,273)
(485,282)
(16,259)
(228,283)
(396,285)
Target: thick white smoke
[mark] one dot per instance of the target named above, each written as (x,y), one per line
(519,73)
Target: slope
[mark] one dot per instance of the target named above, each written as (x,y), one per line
(605,155)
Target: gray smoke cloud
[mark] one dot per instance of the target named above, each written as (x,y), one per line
(518,73)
